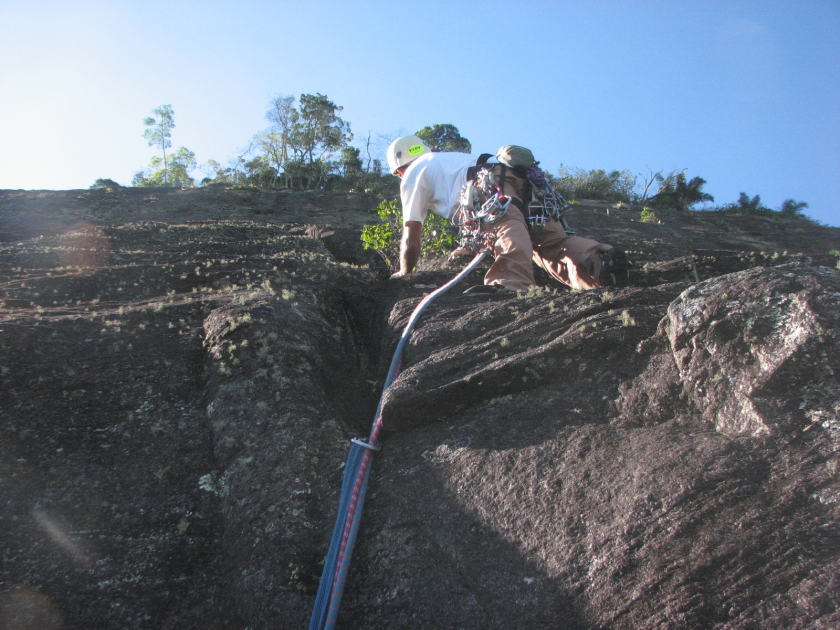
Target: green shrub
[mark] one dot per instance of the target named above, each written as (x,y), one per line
(790,206)
(790,209)
(750,206)
(648,216)
(105,184)
(384,237)
(747,205)
(577,183)
(439,237)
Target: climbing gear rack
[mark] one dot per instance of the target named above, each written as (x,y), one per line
(483,201)
(546,203)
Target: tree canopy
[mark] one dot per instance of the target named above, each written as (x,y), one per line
(444,138)
(302,141)
(307,147)
(173,173)
(677,192)
(171,170)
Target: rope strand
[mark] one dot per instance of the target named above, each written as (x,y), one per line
(354,486)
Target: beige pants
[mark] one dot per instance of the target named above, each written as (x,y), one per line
(572,260)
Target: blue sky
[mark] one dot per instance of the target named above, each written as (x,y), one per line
(743,94)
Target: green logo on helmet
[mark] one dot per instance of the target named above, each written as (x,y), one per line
(417,149)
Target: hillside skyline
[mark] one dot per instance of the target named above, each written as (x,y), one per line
(741,94)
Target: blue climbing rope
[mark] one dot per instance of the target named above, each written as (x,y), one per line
(354,485)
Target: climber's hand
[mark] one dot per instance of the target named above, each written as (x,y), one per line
(460,251)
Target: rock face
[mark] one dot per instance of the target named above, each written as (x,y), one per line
(177,398)
(621,459)
(752,351)
(174,406)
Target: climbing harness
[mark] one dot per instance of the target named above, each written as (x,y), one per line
(354,486)
(483,201)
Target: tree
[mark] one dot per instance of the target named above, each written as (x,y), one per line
(302,142)
(376,179)
(258,172)
(273,146)
(350,169)
(444,138)
(677,192)
(159,131)
(750,206)
(318,133)
(789,206)
(175,174)
(182,161)
(243,170)
(211,170)
(275,141)
(647,182)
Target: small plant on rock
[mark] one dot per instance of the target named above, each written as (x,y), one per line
(648,216)
(383,237)
(438,235)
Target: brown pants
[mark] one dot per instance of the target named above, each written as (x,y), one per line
(572,260)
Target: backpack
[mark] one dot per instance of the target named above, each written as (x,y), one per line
(540,201)
(517,158)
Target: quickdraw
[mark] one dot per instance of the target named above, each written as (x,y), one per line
(482,200)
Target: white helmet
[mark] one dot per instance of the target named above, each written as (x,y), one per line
(404,151)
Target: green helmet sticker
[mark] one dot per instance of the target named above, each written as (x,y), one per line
(417,149)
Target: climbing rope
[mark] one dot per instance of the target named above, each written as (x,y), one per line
(354,485)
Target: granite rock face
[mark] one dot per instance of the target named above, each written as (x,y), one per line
(626,459)
(750,348)
(177,392)
(175,405)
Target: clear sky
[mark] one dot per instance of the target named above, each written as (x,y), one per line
(743,94)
